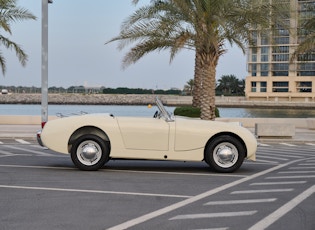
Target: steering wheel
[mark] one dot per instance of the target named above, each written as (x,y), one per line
(156,114)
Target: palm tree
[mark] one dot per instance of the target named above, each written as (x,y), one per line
(308,44)
(189,87)
(202,25)
(9,13)
(230,84)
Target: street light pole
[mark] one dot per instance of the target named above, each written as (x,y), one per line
(44,70)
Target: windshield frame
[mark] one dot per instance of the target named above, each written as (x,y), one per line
(163,112)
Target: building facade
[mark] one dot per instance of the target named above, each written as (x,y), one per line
(272,73)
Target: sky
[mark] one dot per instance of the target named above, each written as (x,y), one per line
(78,30)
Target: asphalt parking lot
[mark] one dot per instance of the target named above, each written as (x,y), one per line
(41,189)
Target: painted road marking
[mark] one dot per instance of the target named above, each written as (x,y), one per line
(273,158)
(279,183)
(5,153)
(291,177)
(138,220)
(174,173)
(124,171)
(262,191)
(308,164)
(213,215)
(310,167)
(30,151)
(21,141)
(276,215)
(249,201)
(36,167)
(311,144)
(287,144)
(281,156)
(93,191)
(295,172)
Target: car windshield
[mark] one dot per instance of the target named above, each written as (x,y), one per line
(163,111)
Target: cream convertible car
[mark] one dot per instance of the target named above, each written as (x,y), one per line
(93,139)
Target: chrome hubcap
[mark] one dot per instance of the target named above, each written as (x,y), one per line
(225,155)
(89,152)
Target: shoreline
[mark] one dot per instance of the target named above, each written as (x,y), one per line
(145,99)
(304,123)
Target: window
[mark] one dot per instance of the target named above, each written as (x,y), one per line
(306,69)
(280,57)
(280,86)
(263,86)
(264,40)
(280,69)
(304,86)
(253,69)
(280,49)
(282,40)
(253,88)
(264,69)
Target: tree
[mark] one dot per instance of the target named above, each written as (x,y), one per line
(204,26)
(308,44)
(230,85)
(9,13)
(189,87)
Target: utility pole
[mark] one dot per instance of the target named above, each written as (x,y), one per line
(44,70)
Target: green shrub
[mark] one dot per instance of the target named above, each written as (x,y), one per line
(189,111)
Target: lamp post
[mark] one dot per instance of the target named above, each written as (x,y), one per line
(44,70)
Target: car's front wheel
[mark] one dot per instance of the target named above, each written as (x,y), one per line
(225,154)
(89,152)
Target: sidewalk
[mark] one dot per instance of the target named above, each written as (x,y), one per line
(302,136)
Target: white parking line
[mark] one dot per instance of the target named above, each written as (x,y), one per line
(174,173)
(279,183)
(167,209)
(249,201)
(276,215)
(21,141)
(310,167)
(295,172)
(6,153)
(93,191)
(308,164)
(213,215)
(30,151)
(36,167)
(291,177)
(281,155)
(287,144)
(311,144)
(273,158)
(262,191)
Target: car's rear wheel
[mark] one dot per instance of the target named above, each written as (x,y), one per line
(89,152)
(225,154)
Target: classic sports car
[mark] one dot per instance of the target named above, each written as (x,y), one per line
(94,139)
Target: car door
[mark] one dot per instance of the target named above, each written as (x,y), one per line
(144,133)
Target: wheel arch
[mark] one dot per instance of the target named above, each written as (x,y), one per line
(223,134)
(88,130)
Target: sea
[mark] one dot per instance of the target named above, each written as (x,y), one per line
(145,111)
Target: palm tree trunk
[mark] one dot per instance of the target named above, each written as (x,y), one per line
(197,81)
(208,89)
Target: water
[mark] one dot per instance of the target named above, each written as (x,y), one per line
(118,110)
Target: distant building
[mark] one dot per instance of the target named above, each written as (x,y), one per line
(271,74)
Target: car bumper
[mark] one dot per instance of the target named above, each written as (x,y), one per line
(38,137)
